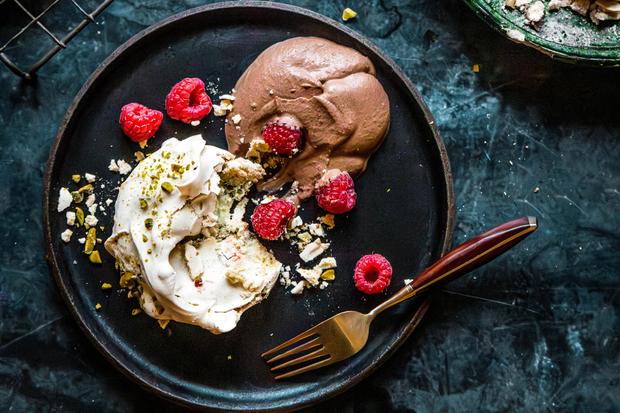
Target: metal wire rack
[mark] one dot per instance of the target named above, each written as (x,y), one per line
(59,43)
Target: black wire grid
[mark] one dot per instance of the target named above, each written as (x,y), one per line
(59,44)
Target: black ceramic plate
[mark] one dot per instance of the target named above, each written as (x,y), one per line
(405,211)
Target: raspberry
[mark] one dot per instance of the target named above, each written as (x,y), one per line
(372,274)
(337,195)
(188,101)
(139,122)
(283,139)
(270,219)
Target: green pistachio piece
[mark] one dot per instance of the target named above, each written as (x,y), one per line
(94,257)
(79,214)
(77,197)
(126,280)
(167,186)
(148,223)
(86,188)
(91,240)
(143,203)
(76,178)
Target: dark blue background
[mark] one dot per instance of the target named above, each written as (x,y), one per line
(536,330)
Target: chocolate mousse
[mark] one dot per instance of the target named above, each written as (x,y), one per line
(329,91)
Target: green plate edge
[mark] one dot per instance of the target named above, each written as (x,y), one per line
(491,11)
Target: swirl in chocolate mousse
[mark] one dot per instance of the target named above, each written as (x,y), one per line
(328,90)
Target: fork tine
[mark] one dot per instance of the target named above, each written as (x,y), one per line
(306,346)
(304,369)
(307,357)
(301,336)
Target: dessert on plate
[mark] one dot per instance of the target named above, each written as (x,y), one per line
(328,92)
(178,231)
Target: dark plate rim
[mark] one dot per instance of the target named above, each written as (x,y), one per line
(569,54)
(66,292)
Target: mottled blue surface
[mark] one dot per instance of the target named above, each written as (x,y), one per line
(537,330)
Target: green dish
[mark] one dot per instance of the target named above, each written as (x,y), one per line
(563,35)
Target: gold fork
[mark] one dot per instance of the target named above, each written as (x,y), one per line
(344,334)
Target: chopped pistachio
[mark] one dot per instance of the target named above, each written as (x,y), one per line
(126,279)
(97,306)
(328,220)
(77,197)
(348,14)
(91,240)
(86,188)
(328,275)
(163,323)
(144,238)
(167,186)
(79,215)
(106,286)
(148,223)
(76,178)
(94,257)
(143,203)
(135,311)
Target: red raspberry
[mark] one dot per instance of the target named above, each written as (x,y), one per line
(139,122)
(188,101)
(270,219)
(283,139)
(372,274)
(337,195)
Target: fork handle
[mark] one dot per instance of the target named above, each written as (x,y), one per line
(464,258)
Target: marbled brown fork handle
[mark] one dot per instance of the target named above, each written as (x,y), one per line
(466,257)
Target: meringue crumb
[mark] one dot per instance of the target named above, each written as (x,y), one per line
(236,119)
(70,218)
(90,177)
(119,166)
(296,222)
(298,288)
(139,155)
(66,235)
(64,199)
(219,110)
(195,123)
(91,220)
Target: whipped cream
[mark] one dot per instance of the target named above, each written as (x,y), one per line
(178,226)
